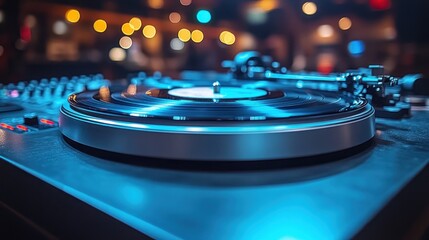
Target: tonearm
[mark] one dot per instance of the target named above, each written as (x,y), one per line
(370,83)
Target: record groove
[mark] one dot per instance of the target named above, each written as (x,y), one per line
(159,104)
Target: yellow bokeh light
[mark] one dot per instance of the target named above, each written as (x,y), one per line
(100,25)
(174,17)
(222,36)
(197,36)
(136,23)
(73,15)
(127,29)
(345,23)
(149,31)
(267,5)
(156,4)
(309,8)
(227,37)
(125,42)
(184,35)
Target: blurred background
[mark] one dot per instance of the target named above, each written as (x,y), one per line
(47,38)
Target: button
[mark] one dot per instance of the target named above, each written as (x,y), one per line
(31,119)
(37,93)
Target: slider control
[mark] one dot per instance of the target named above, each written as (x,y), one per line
(216,87)
(31,119)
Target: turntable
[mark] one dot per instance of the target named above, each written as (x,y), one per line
(239,122)
(257,153)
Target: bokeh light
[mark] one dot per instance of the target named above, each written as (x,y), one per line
(100,25)
(309,8)
(204,16)
(185,2)
(325,63)
(174,17)
(345,23)
(135,23)
(72,15)
(256,15)
(389,33)
(184,35)
(30,21)
(149,31)
(1,16)
(246,41)
(60,27)
(117,54)
(125,42)
(176,44)
(356,47)
(325,31)
(267,5)
(155,4)
(197,36)
(127,29)
(380,5)
(299,64)
(227,37)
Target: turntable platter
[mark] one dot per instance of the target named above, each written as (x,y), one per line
(209,124)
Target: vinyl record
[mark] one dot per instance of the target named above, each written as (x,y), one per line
(198,103)
(243,123)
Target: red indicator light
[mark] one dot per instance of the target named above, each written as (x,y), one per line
(47,121)
(7,126)
(22,127)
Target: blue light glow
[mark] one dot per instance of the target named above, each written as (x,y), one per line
(204,16)
(265,110)
(356,47)
(144,112)
(133,195)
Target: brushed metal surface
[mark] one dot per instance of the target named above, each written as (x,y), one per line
(262,140)
(330,201)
